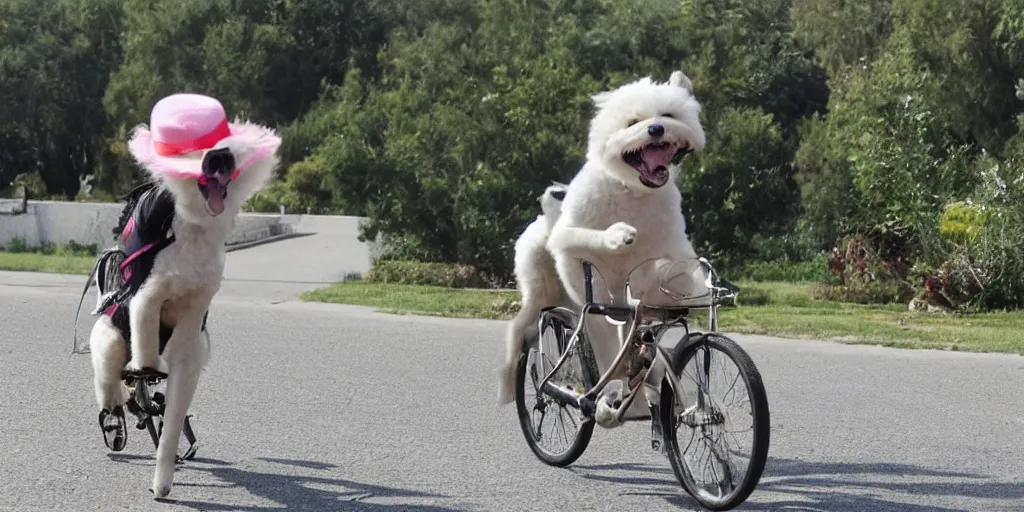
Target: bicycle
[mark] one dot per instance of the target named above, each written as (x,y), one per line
(147,405)
(576,390)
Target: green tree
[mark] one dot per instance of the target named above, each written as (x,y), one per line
(55,60)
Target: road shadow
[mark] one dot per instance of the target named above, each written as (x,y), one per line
(289,491)
(796,485)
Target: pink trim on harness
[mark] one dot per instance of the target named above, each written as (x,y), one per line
(128,228)
(134,255)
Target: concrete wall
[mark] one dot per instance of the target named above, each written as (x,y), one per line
(59,222)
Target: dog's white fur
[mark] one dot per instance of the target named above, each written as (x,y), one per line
(538,283)
(185,277)
(612,220)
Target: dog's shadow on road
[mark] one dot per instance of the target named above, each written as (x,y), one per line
(292,488)
(791,485)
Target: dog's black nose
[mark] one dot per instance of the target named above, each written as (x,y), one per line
(656,130)
(218,161)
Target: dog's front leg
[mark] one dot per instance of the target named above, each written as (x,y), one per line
(144,320)
(581,242)
(185,355)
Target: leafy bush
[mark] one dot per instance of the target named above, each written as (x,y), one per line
(998,257)
(961,223)
(429,274)
(740,188)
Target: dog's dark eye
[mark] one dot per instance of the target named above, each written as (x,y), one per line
(632,122)
(667,115)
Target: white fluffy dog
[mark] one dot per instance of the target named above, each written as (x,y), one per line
(538,284)
(624,207)
(173,251)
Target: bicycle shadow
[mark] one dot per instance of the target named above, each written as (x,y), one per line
(790,485)
(289,491)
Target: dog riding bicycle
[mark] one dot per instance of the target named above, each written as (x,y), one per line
(156,286)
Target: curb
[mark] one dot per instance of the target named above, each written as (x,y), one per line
(269,239)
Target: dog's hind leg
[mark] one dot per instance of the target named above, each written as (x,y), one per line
(109,355)
(519,330)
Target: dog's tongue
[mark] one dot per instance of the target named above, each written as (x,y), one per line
(656,161)
(215,197)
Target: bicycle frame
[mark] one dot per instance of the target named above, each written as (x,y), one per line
(655,322)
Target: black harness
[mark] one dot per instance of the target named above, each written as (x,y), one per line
(143,230)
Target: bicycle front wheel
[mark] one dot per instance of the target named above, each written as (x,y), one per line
(557,434)
(717,428)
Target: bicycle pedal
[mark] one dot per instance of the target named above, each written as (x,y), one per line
(657,436)
(657,446)
(112,425)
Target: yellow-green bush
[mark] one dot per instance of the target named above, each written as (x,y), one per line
(961,223)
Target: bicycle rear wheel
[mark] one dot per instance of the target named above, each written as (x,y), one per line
(557,434)
(717,429)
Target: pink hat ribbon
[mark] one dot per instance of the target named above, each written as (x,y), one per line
(200,143)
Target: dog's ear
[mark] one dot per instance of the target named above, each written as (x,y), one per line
(601,98)
(679,79)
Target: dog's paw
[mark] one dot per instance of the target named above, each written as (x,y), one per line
(506,383)
(619,236)
(162,483)
(607,413)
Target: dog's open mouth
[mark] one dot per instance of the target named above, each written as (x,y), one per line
(652,161)
(218,170)
(214,190)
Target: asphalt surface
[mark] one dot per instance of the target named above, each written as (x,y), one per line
(326,407)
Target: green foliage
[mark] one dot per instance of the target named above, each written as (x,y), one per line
(421,300)
(427,274)
(442,120)
(813,270)
(18,246)
(55,61)
(999,257)
(842,33)
(753,297)
(961,223)
(740,187)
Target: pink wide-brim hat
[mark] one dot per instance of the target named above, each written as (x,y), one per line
(183,126)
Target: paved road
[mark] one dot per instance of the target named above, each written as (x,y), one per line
(323,407)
